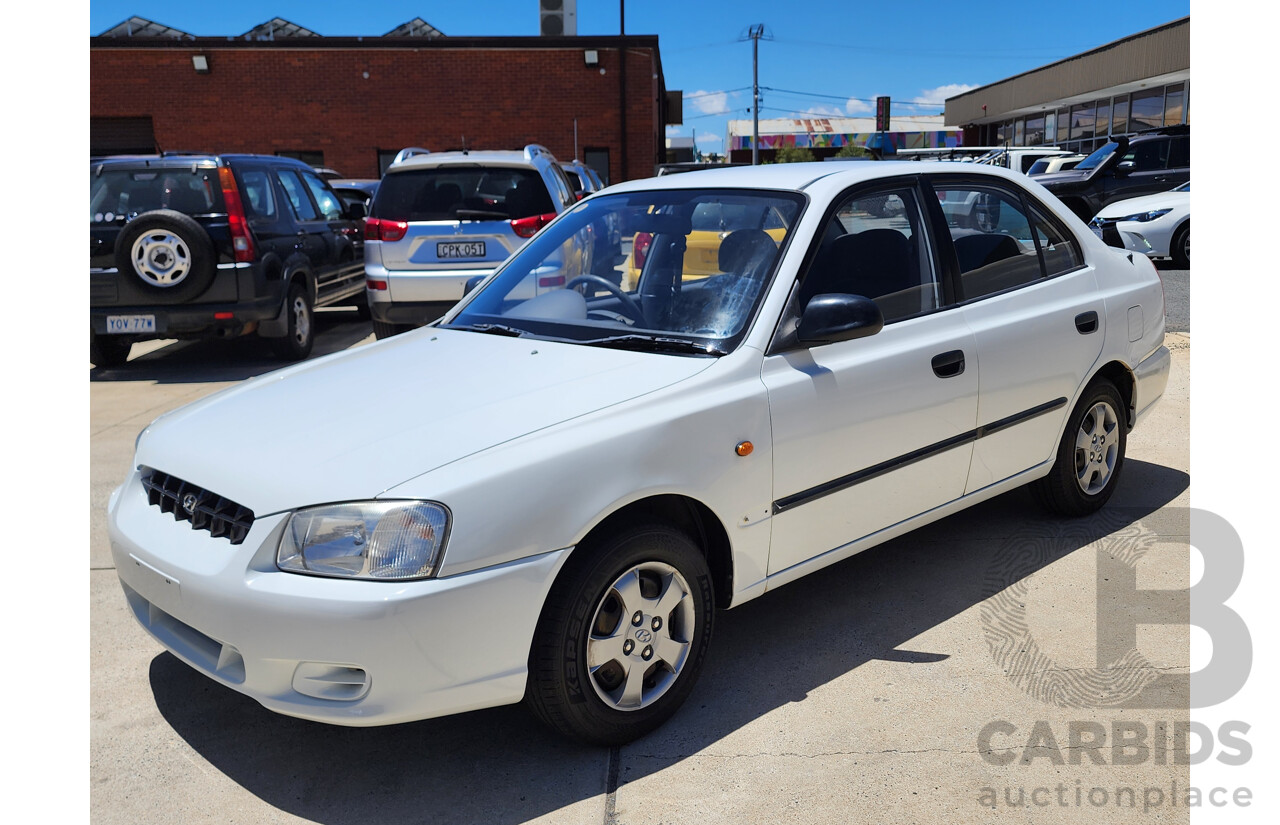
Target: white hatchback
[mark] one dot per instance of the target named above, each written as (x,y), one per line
(562,479)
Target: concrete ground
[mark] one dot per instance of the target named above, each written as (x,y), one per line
(861,693)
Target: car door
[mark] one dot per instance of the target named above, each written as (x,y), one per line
(1032,305)
(343,240)
(872,431)
(1158,165)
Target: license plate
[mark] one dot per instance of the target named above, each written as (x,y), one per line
(124,324)
(453,249)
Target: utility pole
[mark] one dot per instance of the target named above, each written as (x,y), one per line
(755,33)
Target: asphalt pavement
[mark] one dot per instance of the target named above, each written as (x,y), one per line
(881,689)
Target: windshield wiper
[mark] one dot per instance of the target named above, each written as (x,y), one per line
(656,343)
(493,329)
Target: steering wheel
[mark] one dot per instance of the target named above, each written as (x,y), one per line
(630,308)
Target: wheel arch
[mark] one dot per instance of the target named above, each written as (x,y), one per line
(1124,381)
(688,515)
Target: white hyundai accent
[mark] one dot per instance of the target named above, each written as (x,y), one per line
(560,481)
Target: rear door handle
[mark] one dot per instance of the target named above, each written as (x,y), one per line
(1087,322)
(949,364)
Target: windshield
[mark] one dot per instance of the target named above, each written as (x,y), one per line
(677,271)
(1097,157)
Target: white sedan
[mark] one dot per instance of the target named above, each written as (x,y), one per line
(557,484)
(1158,226)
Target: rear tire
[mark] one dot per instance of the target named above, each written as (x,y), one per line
(382,329)
(622,636)
(106,352)
(297,343)
(1180,247)
(1090,456)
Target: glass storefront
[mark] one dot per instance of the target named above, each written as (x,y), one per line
(1087,126)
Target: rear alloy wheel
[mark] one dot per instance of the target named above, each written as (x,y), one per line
(1180,247)
(297,344)
(623,636)
(1090,455)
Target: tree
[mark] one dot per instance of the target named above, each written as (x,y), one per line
(851,151)
(792,154)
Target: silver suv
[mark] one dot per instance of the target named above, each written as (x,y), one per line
(442,219)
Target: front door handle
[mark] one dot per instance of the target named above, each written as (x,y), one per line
(949,364)
(1087,322)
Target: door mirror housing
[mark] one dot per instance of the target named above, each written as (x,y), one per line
(1124,167)
(833,317)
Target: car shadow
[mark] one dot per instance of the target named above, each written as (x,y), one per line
(501,766)
(193,362)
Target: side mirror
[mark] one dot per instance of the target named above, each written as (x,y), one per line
(1124,167)
(356,211)
(471,284)
(836,317)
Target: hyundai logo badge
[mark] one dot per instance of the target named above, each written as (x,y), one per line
(189,504)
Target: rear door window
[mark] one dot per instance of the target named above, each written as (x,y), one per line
(330,206)
(259,196)
(296,192)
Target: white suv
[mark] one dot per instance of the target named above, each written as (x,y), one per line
(442,219)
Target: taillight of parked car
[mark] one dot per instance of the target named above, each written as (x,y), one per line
(528,227)
(379,229)
(241,239)
(640,248)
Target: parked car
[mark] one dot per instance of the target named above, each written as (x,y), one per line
(215,246)
(582,178)
(560,486)
(1056,163)
(327,173)
(356,191)
(1020,158)
(442,219)
(585,181)
(1158,226)
(1152,161)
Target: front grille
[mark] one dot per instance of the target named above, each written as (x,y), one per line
(222,517)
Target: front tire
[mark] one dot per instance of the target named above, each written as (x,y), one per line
(623,636)
(1091,455)
(297,343)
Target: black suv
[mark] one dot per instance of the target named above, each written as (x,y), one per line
(216,246)
(1153,161)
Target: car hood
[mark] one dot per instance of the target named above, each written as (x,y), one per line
(352,425)
(1146,203)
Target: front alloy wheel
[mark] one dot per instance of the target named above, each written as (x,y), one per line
(640,636)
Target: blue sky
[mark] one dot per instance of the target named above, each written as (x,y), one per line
(824,58)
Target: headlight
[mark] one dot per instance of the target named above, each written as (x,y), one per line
(379,540)
(1143,217)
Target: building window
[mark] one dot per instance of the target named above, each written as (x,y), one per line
(1050,128)
(1082,120)
(1064,122)
(1002,134)
(597,159)
(1120,115)
(1146,110)
(1019,132)
(1102,122)
(1034,131)
(309,158)
(1173,99)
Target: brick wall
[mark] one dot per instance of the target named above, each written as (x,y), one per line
(349,101)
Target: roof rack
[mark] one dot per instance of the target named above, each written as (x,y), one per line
(409,152)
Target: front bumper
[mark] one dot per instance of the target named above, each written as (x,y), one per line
(340,651)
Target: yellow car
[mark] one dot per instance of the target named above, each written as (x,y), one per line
(712,223)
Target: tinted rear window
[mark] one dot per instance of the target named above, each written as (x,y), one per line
(118,193)
(462,193)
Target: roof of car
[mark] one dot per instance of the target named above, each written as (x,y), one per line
(801,175)
(495,157)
